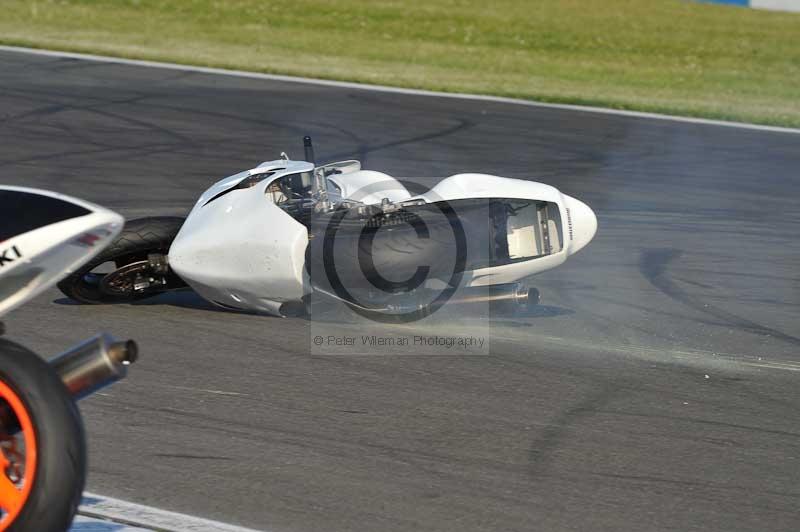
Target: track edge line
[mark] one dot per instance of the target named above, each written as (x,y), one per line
(397,90)
(149,517)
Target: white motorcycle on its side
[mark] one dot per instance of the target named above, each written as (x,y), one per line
(265,239)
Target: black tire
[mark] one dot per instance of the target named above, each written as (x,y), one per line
(138,239)
(61,448)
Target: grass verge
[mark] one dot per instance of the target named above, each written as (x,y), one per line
(665,56)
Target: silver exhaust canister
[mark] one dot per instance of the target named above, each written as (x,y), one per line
(513,295)
(94,364)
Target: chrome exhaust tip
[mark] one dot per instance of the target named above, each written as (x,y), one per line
(94,364)
(505,297)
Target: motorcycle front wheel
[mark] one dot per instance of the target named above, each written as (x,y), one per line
(42,445)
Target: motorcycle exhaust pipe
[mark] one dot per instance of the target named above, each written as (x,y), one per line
(84,369)
(514,295)
(509,297)
(94,364)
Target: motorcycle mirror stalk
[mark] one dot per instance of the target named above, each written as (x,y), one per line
(308,147)
(320,182)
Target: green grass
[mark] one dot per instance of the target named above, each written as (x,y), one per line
(669,56)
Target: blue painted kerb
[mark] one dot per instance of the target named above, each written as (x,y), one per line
(745,3)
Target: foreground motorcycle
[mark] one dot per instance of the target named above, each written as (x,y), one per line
(43,237)
(265,239)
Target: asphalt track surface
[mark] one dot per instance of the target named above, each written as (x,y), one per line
(655,388)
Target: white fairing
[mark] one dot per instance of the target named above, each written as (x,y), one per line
(239,249)
(35,260)
(579,223)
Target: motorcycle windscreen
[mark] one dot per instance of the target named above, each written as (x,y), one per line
(43,237)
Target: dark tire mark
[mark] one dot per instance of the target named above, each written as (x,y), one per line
(653,266)
(557,431)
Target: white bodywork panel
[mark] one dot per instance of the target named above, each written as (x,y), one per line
(239,249)
(580,227)
(41,257)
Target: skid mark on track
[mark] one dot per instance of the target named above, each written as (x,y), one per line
(191,456)
(558,431)
(713,423)
(653,265)
(364,150)
(54,108)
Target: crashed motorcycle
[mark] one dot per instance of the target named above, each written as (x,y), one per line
(43,237)
(268,238)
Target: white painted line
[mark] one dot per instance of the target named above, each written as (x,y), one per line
(117,513)
(696,356)
(396,90)
(88,524)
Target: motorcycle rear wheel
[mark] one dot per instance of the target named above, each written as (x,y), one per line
(139,238)
(42,445)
